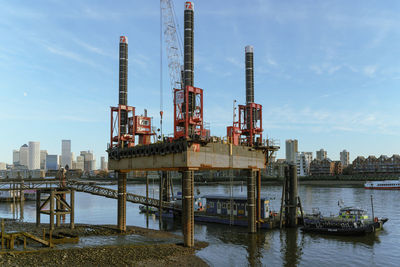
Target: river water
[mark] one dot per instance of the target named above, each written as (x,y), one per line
(232,246)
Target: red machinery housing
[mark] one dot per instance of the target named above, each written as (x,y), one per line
(188,122)
(143,129)
(233,133)
(136,125)
(250,124)
(119,139)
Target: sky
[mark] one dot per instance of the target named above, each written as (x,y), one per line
(326,72)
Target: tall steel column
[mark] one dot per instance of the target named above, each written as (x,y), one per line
(258,203)
(293,192)
(121,201)
(123,100)
(249,52)
(188,64)
(123,80)
(188,57)
(250,112)
(251,200)
(187,209)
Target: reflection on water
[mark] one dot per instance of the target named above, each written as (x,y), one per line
(233,246)
(254,246)
(291,250)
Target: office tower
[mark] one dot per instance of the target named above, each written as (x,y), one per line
(24,155)
(93,164)
(51,162)
(80,163)
(3,166)
(66,153)
(15,156)
(103,165)
(34,156)
(303,161)
(345,158)
(322,154)
(43,154)
(89,162)
(291,150)
(73,161)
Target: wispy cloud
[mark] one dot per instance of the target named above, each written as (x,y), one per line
(66,53)
(320,120)
(214,70)
(140,60)
(370,70)
(235,62)
(91,48)
(60,51)
(271,62)
(325,68)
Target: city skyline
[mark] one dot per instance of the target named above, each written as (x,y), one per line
(40,153)
(326,73)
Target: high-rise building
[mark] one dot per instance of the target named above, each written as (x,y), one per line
(3,166)
(73,161)
(51,162)
(345,158)
(93,164)
(291,150)
(15,156)
(34,156)
(24,155)
(43,154)
(89,162)
(103,165)
(322,154)
(303,161)
(80,163)
(66,153)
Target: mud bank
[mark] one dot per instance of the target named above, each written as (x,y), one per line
(170,254)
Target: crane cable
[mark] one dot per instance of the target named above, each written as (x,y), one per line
(161,73)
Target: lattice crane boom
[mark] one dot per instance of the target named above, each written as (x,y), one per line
(173,43)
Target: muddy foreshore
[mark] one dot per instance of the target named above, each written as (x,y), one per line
(170,254)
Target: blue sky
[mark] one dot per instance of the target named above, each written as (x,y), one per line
(326,72)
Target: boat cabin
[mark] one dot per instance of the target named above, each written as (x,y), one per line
(220,205)
(353,213)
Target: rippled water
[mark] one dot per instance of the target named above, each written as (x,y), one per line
(232,246)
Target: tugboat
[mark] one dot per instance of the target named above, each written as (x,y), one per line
(351,221)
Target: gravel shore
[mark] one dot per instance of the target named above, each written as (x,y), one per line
(170,254)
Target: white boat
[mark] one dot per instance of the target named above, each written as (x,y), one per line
(387,184)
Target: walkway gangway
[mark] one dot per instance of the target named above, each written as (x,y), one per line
(111,193)
(86,188)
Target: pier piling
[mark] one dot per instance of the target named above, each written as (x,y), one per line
(251,200)
(188,211)
(122,201)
